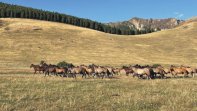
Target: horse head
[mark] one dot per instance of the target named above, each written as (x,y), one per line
(32,65)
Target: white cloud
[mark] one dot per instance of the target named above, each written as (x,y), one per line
(178,15)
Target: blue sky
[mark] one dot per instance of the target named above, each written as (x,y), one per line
(116,10)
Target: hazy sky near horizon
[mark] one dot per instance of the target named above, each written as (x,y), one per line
(115,10)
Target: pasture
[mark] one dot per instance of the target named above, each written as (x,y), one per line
(35,92)
(21,45)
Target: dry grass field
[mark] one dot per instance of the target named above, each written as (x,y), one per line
(24,92)
(24,41)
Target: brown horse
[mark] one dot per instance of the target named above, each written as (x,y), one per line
(159,70)
(190,70)
(61,71)
(89,71)
(99,71)
(126,70)
(178,70)
(50,69)
(37,68)
(167,70)
(117,71)
(110,71)
(77,70)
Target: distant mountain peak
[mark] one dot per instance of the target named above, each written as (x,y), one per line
(143,24)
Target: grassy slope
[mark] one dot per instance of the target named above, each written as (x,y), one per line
(35,92)
(20,45)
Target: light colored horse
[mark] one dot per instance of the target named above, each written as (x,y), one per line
(144,71)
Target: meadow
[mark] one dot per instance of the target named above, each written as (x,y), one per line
(28,92)
(25,41)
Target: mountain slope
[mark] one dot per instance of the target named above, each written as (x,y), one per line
(25,41)
(144,24)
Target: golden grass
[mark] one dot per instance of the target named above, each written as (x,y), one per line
(21,45)
(35,92)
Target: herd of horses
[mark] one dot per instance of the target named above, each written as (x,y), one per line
(149,72)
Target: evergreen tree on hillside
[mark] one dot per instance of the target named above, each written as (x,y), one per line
(15,11)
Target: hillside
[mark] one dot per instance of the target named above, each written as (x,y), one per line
(25,41)
(16,11)
(145,24)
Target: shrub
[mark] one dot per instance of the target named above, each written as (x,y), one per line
(65,64)
(156,65)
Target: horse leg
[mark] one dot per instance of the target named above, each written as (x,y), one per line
(112,74)
(85,75)
(149,77)
(73,75)
(48,73)
(82,75)
(174,74)
(186,74)
(133,75)
(60,74)
(88,75)
(96,74)
(162,76)
(192,74)
(103,75)
(45,74)
(140,76)
(108,75)
(65,75)
(93,75)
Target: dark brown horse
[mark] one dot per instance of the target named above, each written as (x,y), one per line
(37,68)
(51,69)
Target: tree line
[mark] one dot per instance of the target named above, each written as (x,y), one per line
(16,11)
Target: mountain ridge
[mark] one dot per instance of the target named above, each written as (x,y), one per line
(137,23)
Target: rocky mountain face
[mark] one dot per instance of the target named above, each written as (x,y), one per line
(143,24)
